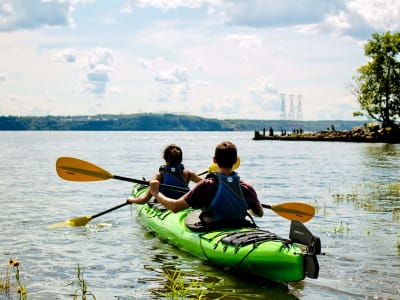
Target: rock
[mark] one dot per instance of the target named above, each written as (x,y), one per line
(371,133)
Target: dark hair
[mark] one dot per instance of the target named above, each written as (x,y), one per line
(225,154)
(172,155)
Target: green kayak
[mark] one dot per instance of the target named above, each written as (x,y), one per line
(247,250)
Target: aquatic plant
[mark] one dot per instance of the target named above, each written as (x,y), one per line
(341,228)
(82,289)
(320,210)
(21,288)
(5,282)
(356,199)
(373,197)
(339,198)
(368,231)
(177,288)
(396,215)
(398,244)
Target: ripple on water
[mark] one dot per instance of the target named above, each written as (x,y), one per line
(352,186)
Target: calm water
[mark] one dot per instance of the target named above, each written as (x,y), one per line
(355,187)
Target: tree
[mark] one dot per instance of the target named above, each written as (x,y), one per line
(377,86)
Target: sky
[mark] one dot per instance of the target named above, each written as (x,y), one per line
(225,59)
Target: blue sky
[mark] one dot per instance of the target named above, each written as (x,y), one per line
(213,58)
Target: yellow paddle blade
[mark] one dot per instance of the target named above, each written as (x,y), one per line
(74,169)
(214,166)
(80,221)
(299,211)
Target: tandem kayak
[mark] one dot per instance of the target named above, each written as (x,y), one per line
(248,250)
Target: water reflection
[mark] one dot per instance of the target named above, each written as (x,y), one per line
(354,186)
(381,156)
(182,277)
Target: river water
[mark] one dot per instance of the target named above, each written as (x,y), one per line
(354,186)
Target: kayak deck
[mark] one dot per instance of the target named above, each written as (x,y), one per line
(245,250)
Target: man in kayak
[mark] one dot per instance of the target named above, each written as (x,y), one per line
(172,173)
(222,196)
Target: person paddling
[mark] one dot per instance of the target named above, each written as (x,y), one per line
(223,197)
(172,173)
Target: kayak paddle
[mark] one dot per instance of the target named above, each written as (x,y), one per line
(299,211)
(74,169)
(82,221)
(302,212)
(214,167)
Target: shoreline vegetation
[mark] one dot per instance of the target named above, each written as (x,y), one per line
(161,122)
(322,130)
(369,133)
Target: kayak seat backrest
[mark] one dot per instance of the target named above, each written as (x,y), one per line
(194,223)
(301,235)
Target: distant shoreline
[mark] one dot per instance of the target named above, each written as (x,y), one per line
(356,135)
(162,122)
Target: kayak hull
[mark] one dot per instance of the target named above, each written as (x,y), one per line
(249,251)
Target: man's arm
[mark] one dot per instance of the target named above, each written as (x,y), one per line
(172,204)
(250,194)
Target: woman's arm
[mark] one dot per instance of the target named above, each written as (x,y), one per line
(140,200)
(194,177)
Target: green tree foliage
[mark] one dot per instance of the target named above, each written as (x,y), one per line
(162,122)
(377,86)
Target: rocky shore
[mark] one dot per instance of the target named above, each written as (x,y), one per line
(367,134)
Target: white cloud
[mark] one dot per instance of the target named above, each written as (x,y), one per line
(3,78)
(174,75)
(222,106)
(145,63)
(264,86)
(265,95)
(379,14)
(200,83)
(248,42)
(167,5)
(30,14)
(186,54)
(98,73)
(100,65)
(356,18)
(260,13)
(178,94)
(67,55)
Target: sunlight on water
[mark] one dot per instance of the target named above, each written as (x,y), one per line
(355,188)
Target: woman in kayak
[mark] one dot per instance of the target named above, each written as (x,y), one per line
(172,173)
(222,196)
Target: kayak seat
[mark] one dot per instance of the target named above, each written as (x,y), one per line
(194,223)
